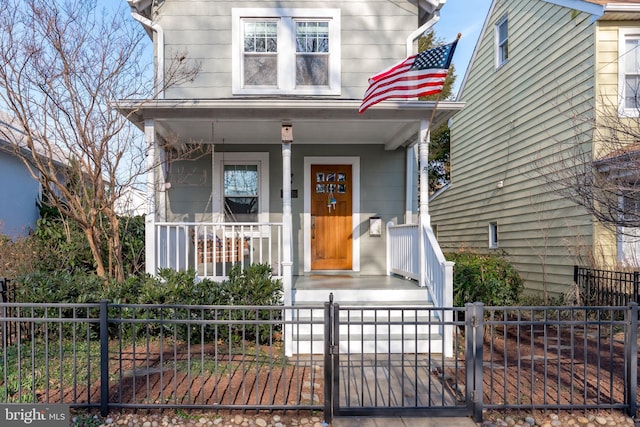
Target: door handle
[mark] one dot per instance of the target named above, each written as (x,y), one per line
(313,226)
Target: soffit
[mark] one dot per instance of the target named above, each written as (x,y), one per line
(391,123)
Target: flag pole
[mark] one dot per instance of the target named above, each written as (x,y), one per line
(435,107)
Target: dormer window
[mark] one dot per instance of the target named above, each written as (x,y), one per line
(286,51)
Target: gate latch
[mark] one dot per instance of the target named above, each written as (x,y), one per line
(333,350)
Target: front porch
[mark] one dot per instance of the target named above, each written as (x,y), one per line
(417,276)
(414,261)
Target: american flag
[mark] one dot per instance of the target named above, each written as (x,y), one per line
(419,75)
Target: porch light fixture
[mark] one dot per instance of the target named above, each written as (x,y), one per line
(287,132)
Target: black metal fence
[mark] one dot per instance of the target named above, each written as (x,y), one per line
(607,287)
(117,356)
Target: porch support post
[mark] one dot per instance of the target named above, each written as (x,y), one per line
(410,168)
(287,231)
(424,219)
(425,135)
(150,217)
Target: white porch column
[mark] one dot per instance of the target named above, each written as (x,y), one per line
(410,168)
(424,220)
(287,230)
(150,217)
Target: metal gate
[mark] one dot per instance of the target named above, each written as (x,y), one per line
(390,361)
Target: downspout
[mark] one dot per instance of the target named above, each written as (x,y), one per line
(154,26)
(421,30)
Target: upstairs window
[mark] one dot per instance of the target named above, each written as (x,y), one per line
(312,53)
(260,55)
(629,72)
(502,41)
(286,51)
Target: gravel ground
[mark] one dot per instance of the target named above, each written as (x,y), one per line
(562,419)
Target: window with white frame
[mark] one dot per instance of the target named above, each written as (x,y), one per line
(629,71)
(286,51)
(502,41)
(244,187)
(493,235)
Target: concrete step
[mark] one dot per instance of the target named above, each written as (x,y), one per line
(371,327)
(370,343)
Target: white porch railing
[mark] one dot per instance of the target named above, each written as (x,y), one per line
(211,249)
(403,256)
(438,272)
(403,259)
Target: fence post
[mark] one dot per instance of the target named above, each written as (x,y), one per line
(474,336)
(104,358)
(631,350)
(328,367)
(636,280)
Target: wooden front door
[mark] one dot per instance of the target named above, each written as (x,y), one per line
(331,219)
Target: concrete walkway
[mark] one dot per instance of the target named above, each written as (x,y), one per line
(402,422)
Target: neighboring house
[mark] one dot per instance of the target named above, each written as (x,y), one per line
(19,191)
(290,173)
(540,67)
(132,202)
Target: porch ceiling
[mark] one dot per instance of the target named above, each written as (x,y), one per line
(258,121)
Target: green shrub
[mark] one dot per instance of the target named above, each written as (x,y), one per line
(252,285)
(60,286)
(489,279)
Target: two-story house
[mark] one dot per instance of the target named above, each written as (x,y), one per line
(543,73)
(288,172)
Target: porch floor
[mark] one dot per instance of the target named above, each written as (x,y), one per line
(315,281)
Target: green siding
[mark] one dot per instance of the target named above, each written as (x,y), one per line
(516,120)
(382,193)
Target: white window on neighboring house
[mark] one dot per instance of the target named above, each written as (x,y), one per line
(493,235)
(629,234)
(502,41)
(629,71)
(286,51)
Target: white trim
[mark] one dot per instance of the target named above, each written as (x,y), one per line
(150,217)
(259,158)
(623,34)
(355,205)
(580,5)
(286,47)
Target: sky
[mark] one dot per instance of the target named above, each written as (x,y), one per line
(465,17)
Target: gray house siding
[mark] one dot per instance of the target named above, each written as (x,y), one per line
(382,192)
(372,35)
(516,120)
(19,193)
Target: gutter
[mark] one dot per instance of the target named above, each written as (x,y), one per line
(153,26)
(424,27)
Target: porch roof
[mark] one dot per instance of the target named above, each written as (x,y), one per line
(393,123)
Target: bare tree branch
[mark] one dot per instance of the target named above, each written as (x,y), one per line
(62,65)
